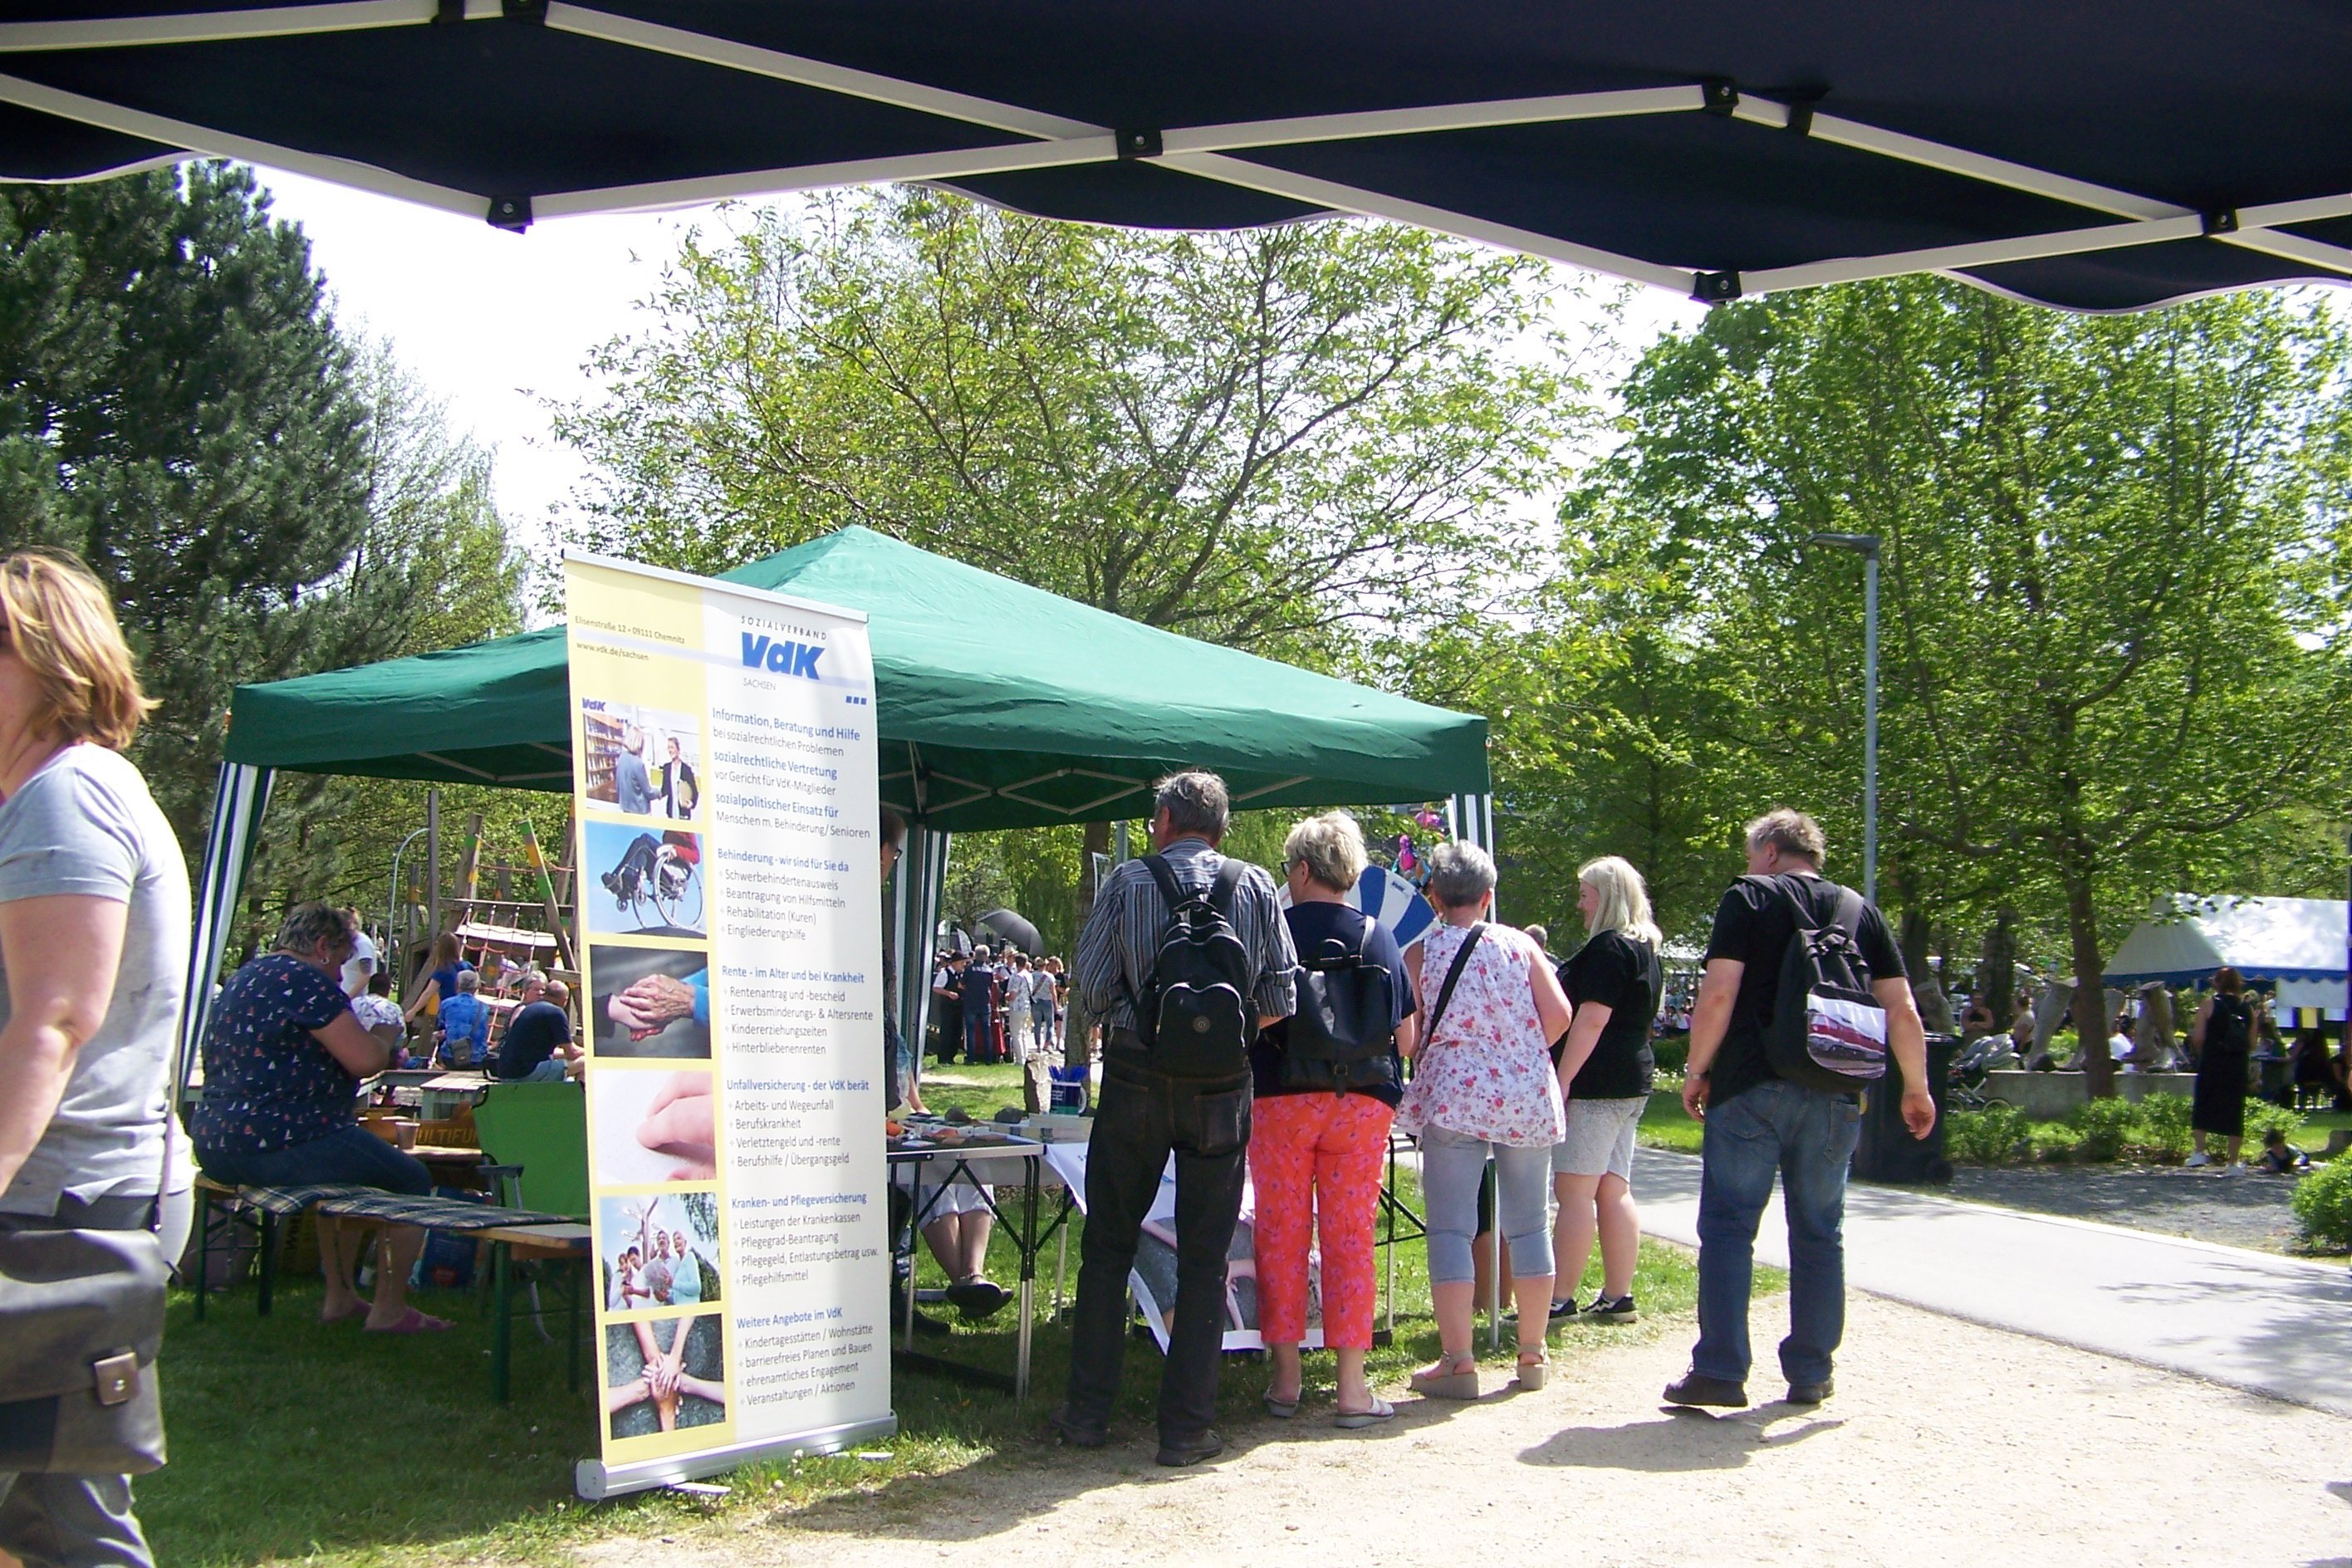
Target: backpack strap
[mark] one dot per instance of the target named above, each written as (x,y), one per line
(1228,883)
(1849,915)
(1452,978)
(1172,892)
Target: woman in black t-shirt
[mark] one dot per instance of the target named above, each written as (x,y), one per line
(1605,1065)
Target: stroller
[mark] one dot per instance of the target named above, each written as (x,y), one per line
(1965,1089)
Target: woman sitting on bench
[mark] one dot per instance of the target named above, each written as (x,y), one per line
(283,1060)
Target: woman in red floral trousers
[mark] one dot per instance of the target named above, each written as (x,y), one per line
(1317,1150)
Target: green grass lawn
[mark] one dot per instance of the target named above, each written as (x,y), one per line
(292,1440)
(1666,1125)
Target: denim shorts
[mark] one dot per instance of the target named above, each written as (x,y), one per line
(351,1155)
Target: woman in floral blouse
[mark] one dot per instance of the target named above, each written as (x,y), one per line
(283,1060)
(1483,1082)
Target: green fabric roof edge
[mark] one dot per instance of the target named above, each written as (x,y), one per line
(999,705)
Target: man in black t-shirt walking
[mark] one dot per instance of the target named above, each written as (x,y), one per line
(1759,1124)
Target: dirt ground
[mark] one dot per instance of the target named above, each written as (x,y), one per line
(1946,1442)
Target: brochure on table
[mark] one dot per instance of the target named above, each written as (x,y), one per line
(725,791)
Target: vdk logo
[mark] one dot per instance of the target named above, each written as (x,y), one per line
(780,657)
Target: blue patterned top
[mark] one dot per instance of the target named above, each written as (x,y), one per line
(268,1083)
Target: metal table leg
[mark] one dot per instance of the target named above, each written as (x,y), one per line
(204,1248)
(571,1340)
(501,1323)
(268,1261)
(1028,1279)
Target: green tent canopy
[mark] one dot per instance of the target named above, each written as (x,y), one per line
(999,705)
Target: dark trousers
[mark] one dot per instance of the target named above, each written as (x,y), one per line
(1142,1118)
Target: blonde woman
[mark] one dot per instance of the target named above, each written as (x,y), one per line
(1605,1066)
(93,952)
(1322,1111)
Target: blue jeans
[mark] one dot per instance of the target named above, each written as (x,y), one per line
(352,1155)
(1808,1138)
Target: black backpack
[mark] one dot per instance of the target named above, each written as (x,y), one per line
(1196,1018)
(1827,1031)
(1342,1037)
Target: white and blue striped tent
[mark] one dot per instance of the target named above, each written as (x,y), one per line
(2295,945)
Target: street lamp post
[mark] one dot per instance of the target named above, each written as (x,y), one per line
(1866,546)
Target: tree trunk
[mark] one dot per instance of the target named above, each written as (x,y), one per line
(1997,975)
(2090,989)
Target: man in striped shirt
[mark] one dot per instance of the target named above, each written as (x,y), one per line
(1145,1114)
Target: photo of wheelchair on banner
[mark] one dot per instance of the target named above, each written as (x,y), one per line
(653,882)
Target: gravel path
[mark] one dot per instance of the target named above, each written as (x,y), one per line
(2245,1210)
(1946,1443)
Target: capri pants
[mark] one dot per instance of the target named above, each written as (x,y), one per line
(1452,1164)
(1315,1161)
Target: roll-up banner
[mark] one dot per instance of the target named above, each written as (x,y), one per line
(729,905)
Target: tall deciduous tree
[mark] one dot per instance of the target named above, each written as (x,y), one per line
(2112,656)
(1256,439)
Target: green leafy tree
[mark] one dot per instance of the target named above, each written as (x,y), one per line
(2115,651)
(176,407)
(1266,439)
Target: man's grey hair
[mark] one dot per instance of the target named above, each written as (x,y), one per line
(1460,873)
(309,924)
(1792,833)
(468,980)
(1195,801)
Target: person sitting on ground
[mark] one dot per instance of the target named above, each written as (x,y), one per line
(466,1024)
(283,1060)
(2281,1158)
(537,1046)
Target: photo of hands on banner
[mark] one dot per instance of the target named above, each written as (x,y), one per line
(662,1374)
(648,1002)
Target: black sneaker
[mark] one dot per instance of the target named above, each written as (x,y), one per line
(1605,1310)
(1811,1393)
(978,1299)
(1191,1451)
(1077,1432)
(1563,1310)
(1695,1388)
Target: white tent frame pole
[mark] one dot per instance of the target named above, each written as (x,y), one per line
(209,143)
(240,798)
(224,27)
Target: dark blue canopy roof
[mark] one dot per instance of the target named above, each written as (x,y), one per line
(2076,152)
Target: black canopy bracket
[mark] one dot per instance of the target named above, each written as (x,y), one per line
(2224,220)
(511,213)
(448,13)
(1135,145)
(1800,119)
(1722,96)
(1715,288)
(532,10)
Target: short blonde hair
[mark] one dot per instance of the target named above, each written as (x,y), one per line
(55,616)
(1792,833)
(1624,898)
(1330,848)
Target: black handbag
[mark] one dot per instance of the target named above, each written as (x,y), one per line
(81,1321)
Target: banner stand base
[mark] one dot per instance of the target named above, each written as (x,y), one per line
(594,1480)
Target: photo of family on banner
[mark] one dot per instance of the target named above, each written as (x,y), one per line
(1397,904)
